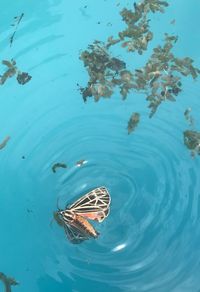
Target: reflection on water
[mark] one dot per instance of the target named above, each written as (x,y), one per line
(150,241)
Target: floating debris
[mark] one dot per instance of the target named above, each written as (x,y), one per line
(80,162)
(4,142)
(103,71)
(188,116)
(17,20)
(173,21)
(133,122)
(58,165)
(109,24)
(8,282)
(12,70)
(23,77)
(192,141)
(160,78)
(137,35)
(83,11)
(191,137)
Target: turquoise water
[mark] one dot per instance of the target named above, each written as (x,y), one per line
(151,239)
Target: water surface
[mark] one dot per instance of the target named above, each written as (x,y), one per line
(151,239)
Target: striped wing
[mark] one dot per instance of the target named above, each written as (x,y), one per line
(94,205)
(75,235)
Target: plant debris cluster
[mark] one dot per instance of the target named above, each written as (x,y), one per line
(102,69)
(137,35)
(160,78)
(12,70)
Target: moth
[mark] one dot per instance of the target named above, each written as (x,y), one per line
(95,205)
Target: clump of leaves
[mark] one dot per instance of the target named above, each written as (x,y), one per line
(12,70)
(104,71)
(137,35)
(8,282)
(160,78)
(133,122)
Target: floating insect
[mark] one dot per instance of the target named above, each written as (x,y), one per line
(93,206)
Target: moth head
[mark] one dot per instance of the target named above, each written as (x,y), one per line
(67,215)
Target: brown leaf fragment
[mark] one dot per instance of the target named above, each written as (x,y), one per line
(192,141)
(58,165)
(189,117)
(133,122)
(12,70)
(23,78)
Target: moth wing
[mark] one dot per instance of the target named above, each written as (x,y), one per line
(94,205)
(74,235)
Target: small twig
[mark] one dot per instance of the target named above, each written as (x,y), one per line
(16,27)
(3,144)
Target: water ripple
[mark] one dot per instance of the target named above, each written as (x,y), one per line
(150,241)
(155,201)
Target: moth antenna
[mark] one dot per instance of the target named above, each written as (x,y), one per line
(59,209)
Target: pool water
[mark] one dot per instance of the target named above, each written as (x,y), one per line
(151,239)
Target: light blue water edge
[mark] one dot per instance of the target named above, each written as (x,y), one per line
(150,240)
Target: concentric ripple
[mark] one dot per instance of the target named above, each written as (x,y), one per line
(150,241)
(145,243)
(155,210)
